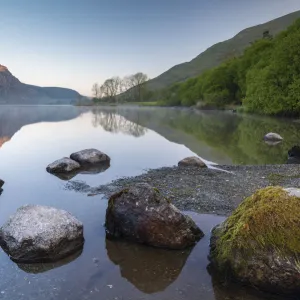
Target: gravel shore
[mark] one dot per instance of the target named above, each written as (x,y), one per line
(213,191)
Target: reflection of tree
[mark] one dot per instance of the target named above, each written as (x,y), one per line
(110,121)
(149,269)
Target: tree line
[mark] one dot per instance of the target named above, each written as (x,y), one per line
(116,89)
(265,79)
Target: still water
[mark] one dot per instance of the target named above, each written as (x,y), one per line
(136,140)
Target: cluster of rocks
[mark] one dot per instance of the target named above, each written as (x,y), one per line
(85,161)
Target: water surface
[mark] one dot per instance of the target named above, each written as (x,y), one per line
(135,139)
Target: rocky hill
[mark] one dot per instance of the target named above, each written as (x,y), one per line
(12,91)
(220,52)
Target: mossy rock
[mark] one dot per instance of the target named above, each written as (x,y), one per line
(259,244)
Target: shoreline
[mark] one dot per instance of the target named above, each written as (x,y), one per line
(203,190)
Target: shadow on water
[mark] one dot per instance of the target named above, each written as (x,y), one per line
(150,270)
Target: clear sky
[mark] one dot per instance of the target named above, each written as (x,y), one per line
(74,43)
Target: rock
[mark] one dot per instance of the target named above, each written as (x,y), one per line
(41,234)
(90,156)
(64,165)
(293,192)
(192,161)
(143,215)
(273,137)
(259,244)
(294,155)
(1,183)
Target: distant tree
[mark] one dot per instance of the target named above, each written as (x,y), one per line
(111,88)
(96,90)
(137,83)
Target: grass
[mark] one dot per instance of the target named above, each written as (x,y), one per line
(269,220)
(154,103)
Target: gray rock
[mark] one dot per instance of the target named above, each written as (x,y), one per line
(273,137)
(41,234)
(192,161)
(293,192)
(143,215)
(90,156)
(64,165)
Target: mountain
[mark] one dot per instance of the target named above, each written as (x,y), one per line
(12,91)
(220,52)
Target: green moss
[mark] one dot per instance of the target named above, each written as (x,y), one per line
(156,190)
(269,219)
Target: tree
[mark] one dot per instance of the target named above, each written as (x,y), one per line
(111,88)
(137,84)
(96,90)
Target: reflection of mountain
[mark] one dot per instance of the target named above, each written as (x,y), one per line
(13,118)
(110,121)
(150,270)
(220,136)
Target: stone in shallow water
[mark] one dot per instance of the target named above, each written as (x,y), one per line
(259,244)
(273,137)
(1,183)
(90,156)
(192,161)
(64,165)
(143,215)
(41,234)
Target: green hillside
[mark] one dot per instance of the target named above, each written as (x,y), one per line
(265,78)
(220,52)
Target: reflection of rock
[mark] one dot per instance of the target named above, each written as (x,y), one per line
(36,268)
(1,183)
(41,234)
(258,244)
(95,168)
(90,156)
(149,269)
(141,214)
(273,137)
(193,161)
(62,166)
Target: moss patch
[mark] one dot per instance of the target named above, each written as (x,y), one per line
(276,179)
(269,219)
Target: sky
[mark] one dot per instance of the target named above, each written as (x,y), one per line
(75,43)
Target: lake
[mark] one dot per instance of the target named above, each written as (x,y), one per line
(136,139)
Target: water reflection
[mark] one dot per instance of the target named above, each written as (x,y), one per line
(110,121)
(149,269)
(87,169)
(44,267)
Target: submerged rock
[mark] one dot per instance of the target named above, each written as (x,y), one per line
(1,183)
(259,244)
(141,214)
(273,137)
(41,234)
(90,156)
(64,165)
(192,161)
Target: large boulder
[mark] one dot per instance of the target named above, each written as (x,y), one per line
(192,161)
(141,214)
(273,137)
(41,234)
(62,166)
(259,244)
(90,156)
